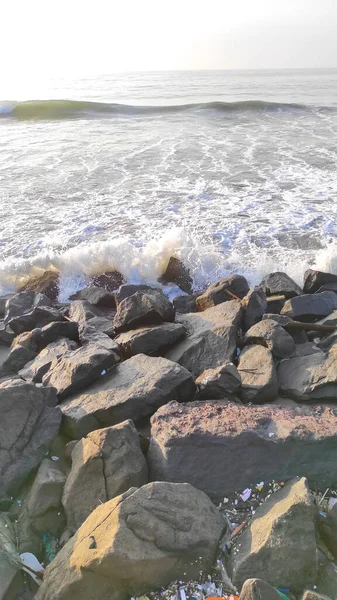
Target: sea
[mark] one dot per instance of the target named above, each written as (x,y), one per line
(230,171)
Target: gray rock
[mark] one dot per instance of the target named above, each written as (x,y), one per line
(258,375)
(283,528)
(185,304)
(3,300)
(312,595)
(43,504)
(39,338)
(101,324)
(105,464)
(221,291)
(16,359)
(177,273)
(280,284)
(327,342)
(312,377)
(211,338)
(330,319)
(144,539)
(254,307)
(150,340)
(307,349)
(23,302)
(128,289)
(8,570)
(37,317)
(328,287)
(29,422)
(143,308)
(313,280)
(327,580)
(90,335)
(135,389)
(256,589)
(6,334)
(222,382)
(74,371)
(81,311)
(38,367)
(310,307)
(271,335)
(96,296)
(221,447)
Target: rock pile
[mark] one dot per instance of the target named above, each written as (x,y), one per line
(178,450)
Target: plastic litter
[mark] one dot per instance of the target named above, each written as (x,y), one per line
(55,458)
(246,494)
(332,502)
(284,596)
(32,566)
(259,486)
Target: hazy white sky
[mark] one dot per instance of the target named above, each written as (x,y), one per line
(41,38)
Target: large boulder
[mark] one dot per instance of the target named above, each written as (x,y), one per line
(313,280)
(110,280)
(312,595)
(270,334)
(29,422)
(256,589)
(22,302)
(222,382)
(312,377)
(96,296)
(47,283)
(39,316)
(43,503)
(280,543)
(139,541)
(3,300)
(37,339)
(8,570)
(6,334)
(143,308)
(280,284)
(223,291)
(81,311)
(35,369)
(177,273)
(221,447)
(211,338)
(105,464)
(185,304)
(310,307)
(134,389)
(150,340)
(128,289)
(254,307)
(90,335)
(258,375)
(75,370)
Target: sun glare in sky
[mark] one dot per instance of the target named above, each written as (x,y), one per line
(39,39)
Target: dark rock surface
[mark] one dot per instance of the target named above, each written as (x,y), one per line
(177,273)
(222,382)
(258,375)
(280,284)
(254,307)
(270,334)
(150,340)
(313,280)
(310,307)
(221,291)
(143,308)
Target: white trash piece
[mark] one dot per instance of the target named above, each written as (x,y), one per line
(332,502)
(246,494)
(29,559)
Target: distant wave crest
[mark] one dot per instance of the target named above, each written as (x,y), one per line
(72,109)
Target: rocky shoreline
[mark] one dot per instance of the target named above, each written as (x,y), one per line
(179,450)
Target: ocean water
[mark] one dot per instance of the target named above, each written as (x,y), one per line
(231,171)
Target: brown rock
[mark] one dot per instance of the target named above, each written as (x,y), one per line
(150,340)
(111,280)
(256,589)
(270,334)
(254,307)
(221,447)
(221,291)
(177,273)
(312,377)
(258,375)
(47,283)
(143,308)
(222,382)
(185,304)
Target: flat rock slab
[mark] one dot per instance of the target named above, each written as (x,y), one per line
(222,382)
(29,422)
(75,370)
(221,447)
(310,307)
(143,308)
(211,338)
(150,340)
(133,390)
(36,368)
(312,377)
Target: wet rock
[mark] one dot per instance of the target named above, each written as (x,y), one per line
(47,284)
(283,528)
(3,300)
(96,296)
(128,289)
(43,502)
(312,377)
(81,311)
(256,589)
(258,375)
(24,302)
(211,338)
(105,464)
(37,317)
(310,307)
(185,304)
(6,334)
(177,273)
(150,340)
(280,284)
(221,291)
(144,539)
(74,371)
(221,447)
(222,382)
(135,389)
(110,280)
(254,307)
(313,280)
(29,421)
(143,308)
(271,335)
(38,367)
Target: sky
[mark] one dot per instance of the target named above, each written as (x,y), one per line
(45,39)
